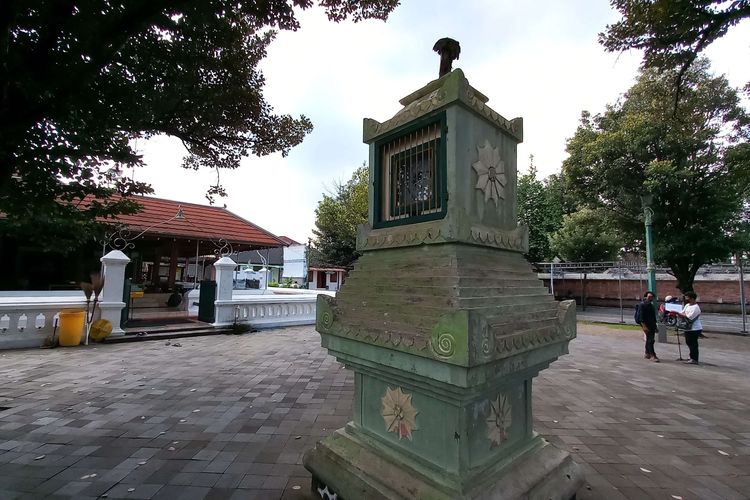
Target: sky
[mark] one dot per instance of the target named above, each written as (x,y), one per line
(539,60)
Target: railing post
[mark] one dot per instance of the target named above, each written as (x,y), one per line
(111,303)
(224,284)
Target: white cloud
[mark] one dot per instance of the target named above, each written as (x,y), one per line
(539,60)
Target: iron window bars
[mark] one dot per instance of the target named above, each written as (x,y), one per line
(410,178)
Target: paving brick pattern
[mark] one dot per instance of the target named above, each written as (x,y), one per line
(230,416)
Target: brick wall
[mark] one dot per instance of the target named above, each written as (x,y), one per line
(714,295)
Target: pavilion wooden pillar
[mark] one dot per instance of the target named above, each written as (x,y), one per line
(154,277)
(173,256)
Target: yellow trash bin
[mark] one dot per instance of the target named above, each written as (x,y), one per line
(71,327)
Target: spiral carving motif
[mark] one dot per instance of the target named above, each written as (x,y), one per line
(444,345)
(326,319)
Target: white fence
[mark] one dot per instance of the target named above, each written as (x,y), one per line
(267,311)
(27,318)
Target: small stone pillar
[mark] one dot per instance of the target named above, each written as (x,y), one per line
(442,320)
(661,333)
(110,302)
(224,284)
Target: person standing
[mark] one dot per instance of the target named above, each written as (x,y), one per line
(692,312)
(645,316)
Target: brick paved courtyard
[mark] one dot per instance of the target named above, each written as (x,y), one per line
(230,416)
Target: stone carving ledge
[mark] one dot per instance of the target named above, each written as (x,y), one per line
(403,236)
(452,347)
(516,240)
(435,95)
(566,318)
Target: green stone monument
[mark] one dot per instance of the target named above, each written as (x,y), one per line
(442,319)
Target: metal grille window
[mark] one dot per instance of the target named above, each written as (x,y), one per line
(412,176)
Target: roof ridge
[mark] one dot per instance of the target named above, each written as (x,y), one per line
(283,243)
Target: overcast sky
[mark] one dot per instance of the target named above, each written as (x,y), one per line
(539,60)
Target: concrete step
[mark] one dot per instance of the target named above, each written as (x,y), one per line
(167,334)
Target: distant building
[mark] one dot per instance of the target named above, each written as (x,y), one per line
(272,259)
(326,278)
(295,263)
(171,244)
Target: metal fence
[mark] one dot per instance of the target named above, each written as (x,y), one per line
(628,269)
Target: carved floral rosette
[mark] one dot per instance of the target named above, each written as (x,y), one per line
(490,170)
(399,413)
(499,420)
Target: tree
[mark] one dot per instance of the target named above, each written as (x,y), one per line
(586,236)
(80,80)
(672,33)
(337,218)
(692,159)
(540,207)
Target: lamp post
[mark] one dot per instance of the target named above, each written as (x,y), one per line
(648,219)
(556,260)
(648,216)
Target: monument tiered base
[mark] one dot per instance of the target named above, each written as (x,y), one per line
(361,469)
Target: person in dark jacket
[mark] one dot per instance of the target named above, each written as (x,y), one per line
(646,317)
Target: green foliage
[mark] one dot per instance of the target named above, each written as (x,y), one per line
(692,159)
(273,284)
(80,81)
(586,236)
(541,208)
(287,283)
(336,221)
(672,33)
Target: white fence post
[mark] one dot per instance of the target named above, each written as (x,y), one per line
(111,303)
(224,285)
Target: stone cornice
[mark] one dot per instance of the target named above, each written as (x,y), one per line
(441,231)
(435,95)
(481,344)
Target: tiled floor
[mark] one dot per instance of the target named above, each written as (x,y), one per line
(230,416)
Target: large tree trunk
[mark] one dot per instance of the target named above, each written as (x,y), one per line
(685,273)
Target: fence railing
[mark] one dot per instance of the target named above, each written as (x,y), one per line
(25,321)
(267,311)
(635,267)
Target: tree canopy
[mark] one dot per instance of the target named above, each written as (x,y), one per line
(80,80)
(586,236)
(672,33)
(540,208)
(694,160)
(337,218)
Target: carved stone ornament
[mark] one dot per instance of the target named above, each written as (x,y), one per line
(398,412)
(325,313)
(490,171)
(499,420)
(414,110)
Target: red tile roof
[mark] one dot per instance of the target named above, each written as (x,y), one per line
(289,241)
(200,222)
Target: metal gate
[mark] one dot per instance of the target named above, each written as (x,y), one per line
(206,302)
(125,314)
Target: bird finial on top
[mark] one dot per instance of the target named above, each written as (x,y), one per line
(449,50)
